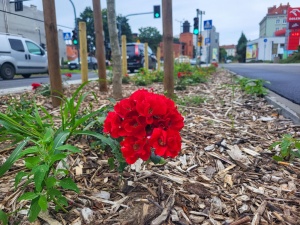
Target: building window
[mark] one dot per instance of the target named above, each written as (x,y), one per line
(284,11)
(277,21)
(284,21)
(277,28)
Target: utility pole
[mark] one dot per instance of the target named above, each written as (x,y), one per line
(100,51)
(168,47)
(52,53)
(199,12)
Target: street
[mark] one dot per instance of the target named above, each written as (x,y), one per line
(18,82)
(284,78)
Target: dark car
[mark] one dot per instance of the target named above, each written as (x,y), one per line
(135,57)
(92,63)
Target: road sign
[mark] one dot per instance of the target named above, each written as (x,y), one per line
(265,40)
(207,41)
(207,24)
(67,36)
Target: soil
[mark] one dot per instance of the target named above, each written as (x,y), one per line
(224,174)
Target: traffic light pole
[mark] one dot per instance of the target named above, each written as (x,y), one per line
(199,12)
(76,28)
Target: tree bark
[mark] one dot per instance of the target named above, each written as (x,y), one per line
(115,48)
(168,47)
(52,52)
(100,52)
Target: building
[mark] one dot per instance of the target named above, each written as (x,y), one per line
(29,23)
(275,20)
(210,47)
(185,45)
(276,39)
(230,49)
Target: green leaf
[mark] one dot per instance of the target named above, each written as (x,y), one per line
(155,158)
(3,217)
(34,210)
(43,202)
(277,158)
(60,138)
(30,150)
(48,135)
(28,196)
(57,157)
(54,193)
(13,157)
(31,162)
(50,182)
(39,175)
(68,147)
(19,177)
(68,183)
(111,163)
(297,144)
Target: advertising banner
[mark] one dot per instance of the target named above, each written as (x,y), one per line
(293,15)
(294,25)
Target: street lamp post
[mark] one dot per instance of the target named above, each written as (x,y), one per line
(199,12)
(39,30)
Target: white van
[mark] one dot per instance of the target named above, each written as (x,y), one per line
(19,55)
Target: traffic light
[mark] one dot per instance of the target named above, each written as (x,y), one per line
(74,37)
(196,26)
(200,39)
(156,11)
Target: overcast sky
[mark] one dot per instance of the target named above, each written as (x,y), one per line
(230,17)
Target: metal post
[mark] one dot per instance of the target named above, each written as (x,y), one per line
(199,12)
(76,28)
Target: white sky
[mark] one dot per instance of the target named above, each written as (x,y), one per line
(230,17)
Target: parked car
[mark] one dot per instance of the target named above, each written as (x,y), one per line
(91,60)
(228,61)
(19,55)
(136,57)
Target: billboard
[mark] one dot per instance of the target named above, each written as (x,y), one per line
(293,14)
(251,51)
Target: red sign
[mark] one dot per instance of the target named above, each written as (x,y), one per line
(293,15)
(294,25)
(294,40)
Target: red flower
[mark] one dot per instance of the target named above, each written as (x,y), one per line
(68,75)
(113,125)
(166,143)
(35,85)
(146,121)
(134,148)
(179,74)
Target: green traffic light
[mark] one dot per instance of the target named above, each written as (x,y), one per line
(75,42)
(196,31)
(156,15)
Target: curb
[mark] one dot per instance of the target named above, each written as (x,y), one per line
(285,107)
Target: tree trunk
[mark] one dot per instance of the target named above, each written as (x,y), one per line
(115,49)
(100,52)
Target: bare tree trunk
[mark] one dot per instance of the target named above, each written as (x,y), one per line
(115,49)
(168,47)
(100,52)
(53,54)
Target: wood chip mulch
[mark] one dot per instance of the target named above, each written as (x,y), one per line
(224,174)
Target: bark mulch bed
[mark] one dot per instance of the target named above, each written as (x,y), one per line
(224,174)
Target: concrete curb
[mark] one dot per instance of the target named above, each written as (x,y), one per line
(286,108)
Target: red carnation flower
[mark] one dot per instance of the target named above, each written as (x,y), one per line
(146,121)
(166,143)
(35,85)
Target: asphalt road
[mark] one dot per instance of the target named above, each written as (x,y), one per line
(284,78)
(19,81)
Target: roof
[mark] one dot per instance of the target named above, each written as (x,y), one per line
(228,46)
(281,9)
